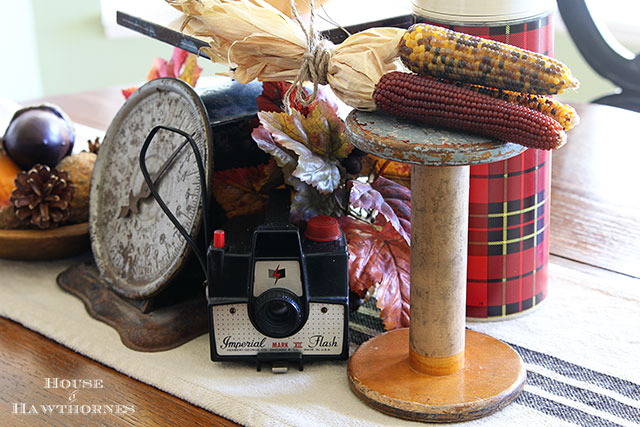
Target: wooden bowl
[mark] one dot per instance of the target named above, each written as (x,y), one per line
(61,242)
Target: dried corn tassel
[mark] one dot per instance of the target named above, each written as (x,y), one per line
(451,106)
(439,52)
(564,114)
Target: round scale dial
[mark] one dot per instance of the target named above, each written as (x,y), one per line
(136,248)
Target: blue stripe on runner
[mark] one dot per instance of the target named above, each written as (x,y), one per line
(595,400)
(562,411)
(619,385)
(357,337)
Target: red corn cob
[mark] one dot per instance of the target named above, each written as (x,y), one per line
(449,106)
(564,114)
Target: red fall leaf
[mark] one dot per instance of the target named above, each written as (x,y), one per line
(390,199)
(272,98)
(244,191)
(182,65)
(383,258)
(395,171)
(128,91)
(399,198)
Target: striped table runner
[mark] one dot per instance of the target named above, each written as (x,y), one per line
(581,348)
(557,387)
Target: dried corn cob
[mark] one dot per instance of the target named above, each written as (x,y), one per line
(564,114)
(440,52)
(437,103)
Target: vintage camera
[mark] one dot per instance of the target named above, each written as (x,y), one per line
(276,295)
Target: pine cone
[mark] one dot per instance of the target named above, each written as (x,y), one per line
(42,196)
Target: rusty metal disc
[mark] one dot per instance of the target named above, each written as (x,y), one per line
(137,249)
(398,139)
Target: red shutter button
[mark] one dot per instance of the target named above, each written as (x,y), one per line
(218,239)
(322,228)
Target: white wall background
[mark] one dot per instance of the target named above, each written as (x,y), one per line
(19,66)
(48,47)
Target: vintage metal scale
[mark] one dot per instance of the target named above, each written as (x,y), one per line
(137,249)
(146,284)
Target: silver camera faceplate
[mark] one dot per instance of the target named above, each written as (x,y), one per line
(235,335)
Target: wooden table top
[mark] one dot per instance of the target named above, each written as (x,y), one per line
(595,225)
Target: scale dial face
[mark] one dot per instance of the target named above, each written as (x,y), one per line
(136,248)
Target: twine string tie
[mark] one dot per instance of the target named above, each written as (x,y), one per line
(315,61)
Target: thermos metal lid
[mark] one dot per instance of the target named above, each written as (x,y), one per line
(473,12)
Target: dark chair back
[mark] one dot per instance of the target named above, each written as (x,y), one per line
(617,66)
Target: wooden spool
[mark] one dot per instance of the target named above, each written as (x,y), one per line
(434,370)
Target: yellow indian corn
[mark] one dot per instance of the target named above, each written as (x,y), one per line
(439,52)
(564,114)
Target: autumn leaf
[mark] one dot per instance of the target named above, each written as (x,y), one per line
(308,145)
(182,65)
(244,191)
(128,92)
(326,132)
(308,202)
(321,131)
(324,175)
(390,199)
(379,253)
(298,134)
(325,94)
(159,68)
(286,129)
(190,72)
(283,158)
(395,171)
(399,198)
(383,258)
(177,61)
(272,96)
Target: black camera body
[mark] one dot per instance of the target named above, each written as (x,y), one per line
(278,296)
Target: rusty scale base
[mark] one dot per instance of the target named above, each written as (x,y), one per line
(434,370)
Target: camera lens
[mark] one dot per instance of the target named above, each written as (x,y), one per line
(277,313)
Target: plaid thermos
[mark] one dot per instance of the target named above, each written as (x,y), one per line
(508,200)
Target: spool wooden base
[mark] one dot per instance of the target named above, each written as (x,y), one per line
(492,377)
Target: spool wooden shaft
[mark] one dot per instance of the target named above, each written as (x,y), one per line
(439,213)
(406,372)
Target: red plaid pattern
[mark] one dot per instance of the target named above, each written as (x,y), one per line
(509,208)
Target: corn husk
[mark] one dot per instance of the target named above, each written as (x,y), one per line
(301,5)
(258,41)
